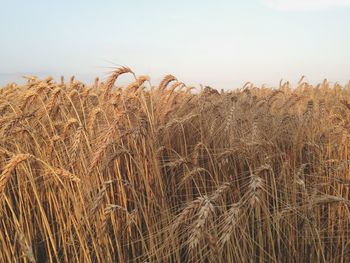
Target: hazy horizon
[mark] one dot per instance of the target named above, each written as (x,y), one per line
(222,44)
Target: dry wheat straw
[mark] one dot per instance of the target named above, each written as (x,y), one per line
(127,174)
(11,165)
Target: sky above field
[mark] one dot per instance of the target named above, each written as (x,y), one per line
(219,43)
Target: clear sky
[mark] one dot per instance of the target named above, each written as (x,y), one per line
(219,43)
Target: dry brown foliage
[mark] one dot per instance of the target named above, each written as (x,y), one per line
(164,174)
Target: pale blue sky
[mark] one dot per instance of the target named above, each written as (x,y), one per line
(219,43)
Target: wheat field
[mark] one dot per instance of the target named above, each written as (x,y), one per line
(141,173)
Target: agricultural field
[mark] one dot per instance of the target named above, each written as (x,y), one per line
(171,173)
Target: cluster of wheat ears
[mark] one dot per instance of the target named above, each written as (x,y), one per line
(163,174)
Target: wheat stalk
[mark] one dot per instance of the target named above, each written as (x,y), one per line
(9,167)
